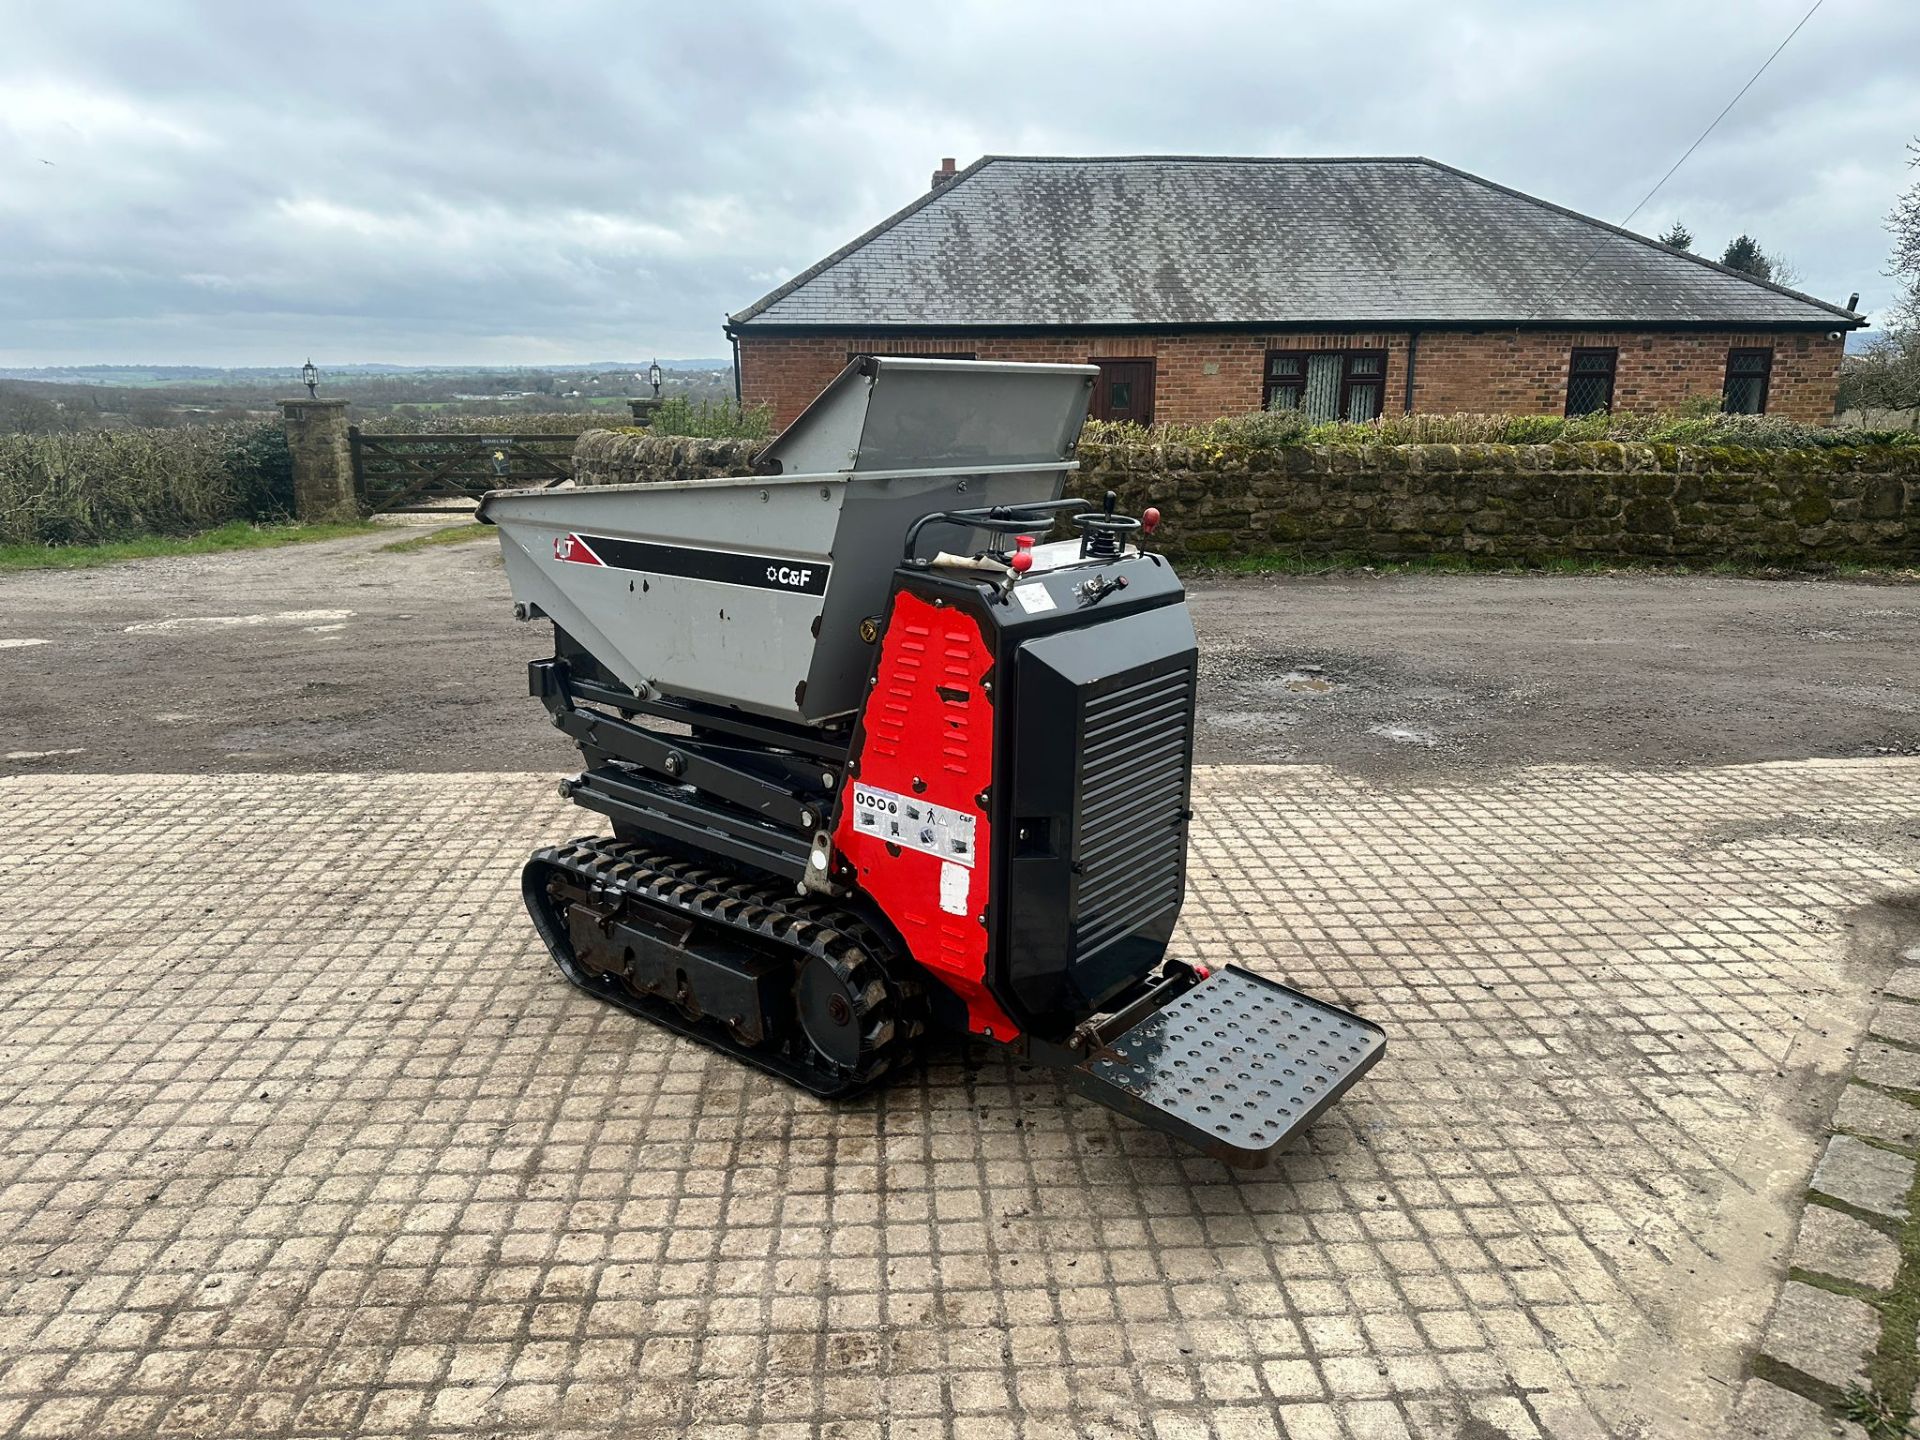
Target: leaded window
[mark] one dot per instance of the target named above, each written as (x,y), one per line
(1590,380)
(1745,392)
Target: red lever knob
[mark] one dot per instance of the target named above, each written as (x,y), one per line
(1150,519)
(1021,560)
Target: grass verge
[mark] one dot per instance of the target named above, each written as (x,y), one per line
(445,535)
(1291,562)
(1883,1407)
(238,535)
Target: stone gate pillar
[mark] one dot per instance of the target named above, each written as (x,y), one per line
(643,409)
(322,464)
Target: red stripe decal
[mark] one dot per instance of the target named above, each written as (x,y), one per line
(576,551)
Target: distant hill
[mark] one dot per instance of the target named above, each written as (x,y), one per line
(279,376)
(87,397)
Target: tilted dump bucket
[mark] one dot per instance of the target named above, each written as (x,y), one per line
(750,592)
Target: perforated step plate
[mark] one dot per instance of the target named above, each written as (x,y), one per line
(1236,1066)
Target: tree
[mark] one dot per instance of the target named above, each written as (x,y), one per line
(1904,222)
(31,414)
(1888,375)
(1678,236)
(1746,256)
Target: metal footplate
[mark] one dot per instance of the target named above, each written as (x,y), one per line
(1236,1065)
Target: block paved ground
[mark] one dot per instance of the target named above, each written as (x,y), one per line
(300,1136)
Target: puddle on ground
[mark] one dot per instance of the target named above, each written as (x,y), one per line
(227,622)
(1403,734)
(1249,719)
(1307,682)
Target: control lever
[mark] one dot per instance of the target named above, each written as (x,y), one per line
(1098,587)
(1104,533)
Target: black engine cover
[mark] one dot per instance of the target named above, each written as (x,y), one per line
(1102,762)
(1093,697)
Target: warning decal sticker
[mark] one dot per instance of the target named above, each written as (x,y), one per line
(914,824)
(1034,598)
(955,882)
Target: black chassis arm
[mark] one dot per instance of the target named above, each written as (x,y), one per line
(684,760)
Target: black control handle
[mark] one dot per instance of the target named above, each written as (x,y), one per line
(995,519)
(1104,533)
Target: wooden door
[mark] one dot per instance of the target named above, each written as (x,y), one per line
(1124,391)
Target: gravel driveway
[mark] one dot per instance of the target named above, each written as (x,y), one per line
(341,657)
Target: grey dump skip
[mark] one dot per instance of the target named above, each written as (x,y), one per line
(750,592)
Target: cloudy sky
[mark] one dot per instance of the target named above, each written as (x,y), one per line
(241,183)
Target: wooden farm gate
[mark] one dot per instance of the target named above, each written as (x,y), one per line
(425,472)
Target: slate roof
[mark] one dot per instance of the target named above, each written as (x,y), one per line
(1198,240)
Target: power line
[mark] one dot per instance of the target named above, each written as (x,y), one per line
(1722,115)
(1674,168)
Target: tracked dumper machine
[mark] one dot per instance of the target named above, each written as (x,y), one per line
(878,763)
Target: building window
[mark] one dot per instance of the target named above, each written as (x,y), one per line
(1590,381)
(1327,384)
(1745,392)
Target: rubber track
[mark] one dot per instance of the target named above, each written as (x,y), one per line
(618,872)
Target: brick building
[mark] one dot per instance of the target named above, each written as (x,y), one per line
(1213,286)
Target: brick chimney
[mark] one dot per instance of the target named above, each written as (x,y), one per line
(944,175)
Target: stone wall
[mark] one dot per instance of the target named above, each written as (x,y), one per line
(613,457)
(1203,375)
(1524,503)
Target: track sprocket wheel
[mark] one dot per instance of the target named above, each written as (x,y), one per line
(847,1008)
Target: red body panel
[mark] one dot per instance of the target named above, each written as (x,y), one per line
(927,737)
